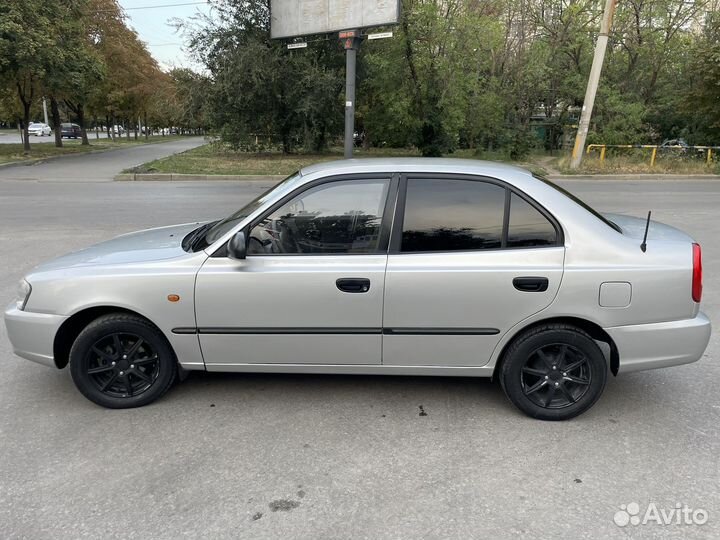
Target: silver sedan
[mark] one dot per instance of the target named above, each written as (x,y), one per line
(389,266)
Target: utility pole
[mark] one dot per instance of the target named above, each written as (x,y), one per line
(593,81)
(351,43)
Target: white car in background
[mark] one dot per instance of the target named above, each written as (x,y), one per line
(39,129)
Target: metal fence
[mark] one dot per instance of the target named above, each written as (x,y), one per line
(705,151)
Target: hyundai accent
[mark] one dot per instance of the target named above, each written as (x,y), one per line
(388,266)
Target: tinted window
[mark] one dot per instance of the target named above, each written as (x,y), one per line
(527,226)
(341,217)
(452,215)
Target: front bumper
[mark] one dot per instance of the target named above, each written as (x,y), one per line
(657,345)
(32,334)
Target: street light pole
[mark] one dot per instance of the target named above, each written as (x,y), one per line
(593,81)
(351,43)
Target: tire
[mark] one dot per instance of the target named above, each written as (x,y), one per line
(122,361)
(553,372)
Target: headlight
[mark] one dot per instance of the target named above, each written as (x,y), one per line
(23,294)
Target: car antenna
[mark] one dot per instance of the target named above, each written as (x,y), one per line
(643,246)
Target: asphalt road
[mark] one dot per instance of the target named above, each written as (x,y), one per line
(279,456)
(99,166)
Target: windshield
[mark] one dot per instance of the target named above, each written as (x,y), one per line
(582,203)
(223,226)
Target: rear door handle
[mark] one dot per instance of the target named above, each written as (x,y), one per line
(353,285)
(531,284)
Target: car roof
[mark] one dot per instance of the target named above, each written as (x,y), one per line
(414,164)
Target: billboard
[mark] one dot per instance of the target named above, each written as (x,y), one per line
(291,18)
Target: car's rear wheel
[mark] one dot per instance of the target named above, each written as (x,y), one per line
(122,360)
(554,372)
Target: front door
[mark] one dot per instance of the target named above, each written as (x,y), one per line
(469,259)
(311,289)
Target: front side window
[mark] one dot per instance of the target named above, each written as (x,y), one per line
(334,218)
(452,215)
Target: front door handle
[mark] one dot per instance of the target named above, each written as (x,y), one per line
(531,284)
(353,285)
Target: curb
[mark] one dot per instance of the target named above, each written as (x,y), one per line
(174,177)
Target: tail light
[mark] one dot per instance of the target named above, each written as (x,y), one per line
(697,273)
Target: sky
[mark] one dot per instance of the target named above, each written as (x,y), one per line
(164,43)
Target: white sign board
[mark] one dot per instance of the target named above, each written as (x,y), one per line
(290,18)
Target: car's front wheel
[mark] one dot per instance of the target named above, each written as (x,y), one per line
(554,372)
(122,360)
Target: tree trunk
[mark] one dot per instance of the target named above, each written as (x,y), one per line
(26,125)
(145,124)
(57,127)
(80,111)
(26,98)
(127,131)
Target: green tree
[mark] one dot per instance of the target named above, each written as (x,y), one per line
(24,54)
(261,93)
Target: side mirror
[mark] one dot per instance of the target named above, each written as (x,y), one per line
(237,246)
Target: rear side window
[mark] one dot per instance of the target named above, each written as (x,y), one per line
(527,227)
(455,214)
(452,215)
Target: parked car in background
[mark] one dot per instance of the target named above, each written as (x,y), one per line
(39,129)
(70,131)
(680,147)
(118,130)
(446,267)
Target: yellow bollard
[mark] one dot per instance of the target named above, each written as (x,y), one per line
(602,153)
(653,156)
(709,156)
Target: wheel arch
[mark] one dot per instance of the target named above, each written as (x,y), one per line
(71,328)
(593,329)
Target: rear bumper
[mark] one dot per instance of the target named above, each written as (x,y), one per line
(657,345)
(32,334)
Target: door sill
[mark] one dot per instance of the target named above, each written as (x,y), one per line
(355,369)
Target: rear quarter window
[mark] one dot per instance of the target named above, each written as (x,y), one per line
(527,227)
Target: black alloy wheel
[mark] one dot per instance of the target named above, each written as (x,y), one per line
(556,376)
(122,360)
(553,372)
(122,365)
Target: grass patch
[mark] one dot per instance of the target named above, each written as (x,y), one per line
(216,158)
(638,162)
(38,151)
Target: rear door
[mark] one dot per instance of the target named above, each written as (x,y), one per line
(469,258)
